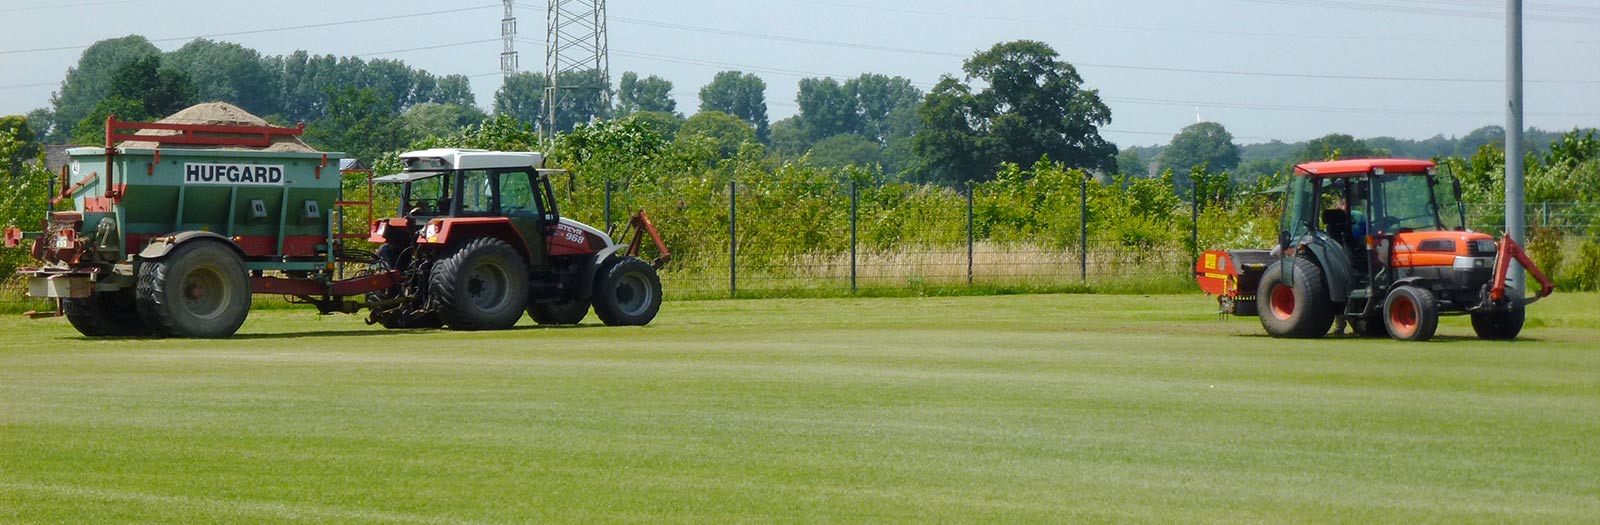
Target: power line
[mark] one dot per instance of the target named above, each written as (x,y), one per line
(1432,8)
(924,52)
(424,48)
(268,30)
(1209,32)
(1124,100)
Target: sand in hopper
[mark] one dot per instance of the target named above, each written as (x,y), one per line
(218,114)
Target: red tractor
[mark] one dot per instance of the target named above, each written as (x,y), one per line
(1382,243)
(479,240)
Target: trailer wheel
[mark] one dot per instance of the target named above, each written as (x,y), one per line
(627,292)
(564,312)
(1503,325)
(482,286)
(106,314)
(200,290)
(1410,313)
(1301,311)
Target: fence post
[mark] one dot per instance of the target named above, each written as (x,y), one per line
(733,239)
(852,237)
(1546,214)
(1194,223)
(1083,229)
(608,207)
(970,189)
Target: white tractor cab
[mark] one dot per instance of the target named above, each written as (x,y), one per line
(478,239)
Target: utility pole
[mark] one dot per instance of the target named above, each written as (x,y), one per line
(508,42)
(1514,159)
(575,42)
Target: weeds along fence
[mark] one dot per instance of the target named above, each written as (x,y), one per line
(789,236)
(737,239)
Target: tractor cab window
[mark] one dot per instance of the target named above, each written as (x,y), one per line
(517,195)
(1299,210)
(1452,214)
(429,196)
(476,193)
(1416,202)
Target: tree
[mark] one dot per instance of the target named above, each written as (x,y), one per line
(826,110)
(90,81)
(521,96)
(729,132)
(1133,165)
(874,106)
(846,150)
(91,131)
(161,91)
(432,119)
(456,90)
(1032,105)
(229,72)
(1204,143)
(651,93)
(360,122)
(1335,146)
(658,122)
(742,95)
(887,106)
(787,138)
(22,145)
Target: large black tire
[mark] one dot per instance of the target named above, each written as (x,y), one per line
(106,314)
(627,292)
(199,291)
(565,312)
(1302,311)
(1502,325)
(482,286)
(1410,313)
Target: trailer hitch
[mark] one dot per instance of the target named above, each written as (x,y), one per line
(639,225)
(1509,249)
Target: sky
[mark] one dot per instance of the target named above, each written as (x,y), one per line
(1285,70)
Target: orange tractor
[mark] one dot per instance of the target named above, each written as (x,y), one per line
(1381,242)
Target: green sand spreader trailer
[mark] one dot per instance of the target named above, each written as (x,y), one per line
(173,241)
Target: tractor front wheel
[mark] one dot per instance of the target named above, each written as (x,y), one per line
(1410,313)
(627,292)
(1503,325)
(105,314)
(199,291)
(1302,310)
(565,312)
(482,286)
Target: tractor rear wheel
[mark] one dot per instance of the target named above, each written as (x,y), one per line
(1410,313)
(627,292)
(105,314)
(565,312)
(1503,325)
(482,286)
(198,291)
(1301,311)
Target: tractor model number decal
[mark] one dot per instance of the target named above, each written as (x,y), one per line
(570,234)
(233,174)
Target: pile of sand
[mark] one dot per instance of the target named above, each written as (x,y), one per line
(218,114)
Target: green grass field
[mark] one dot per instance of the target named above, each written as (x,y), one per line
(1055,408)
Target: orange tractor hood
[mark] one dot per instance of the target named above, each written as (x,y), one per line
(1440,248)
